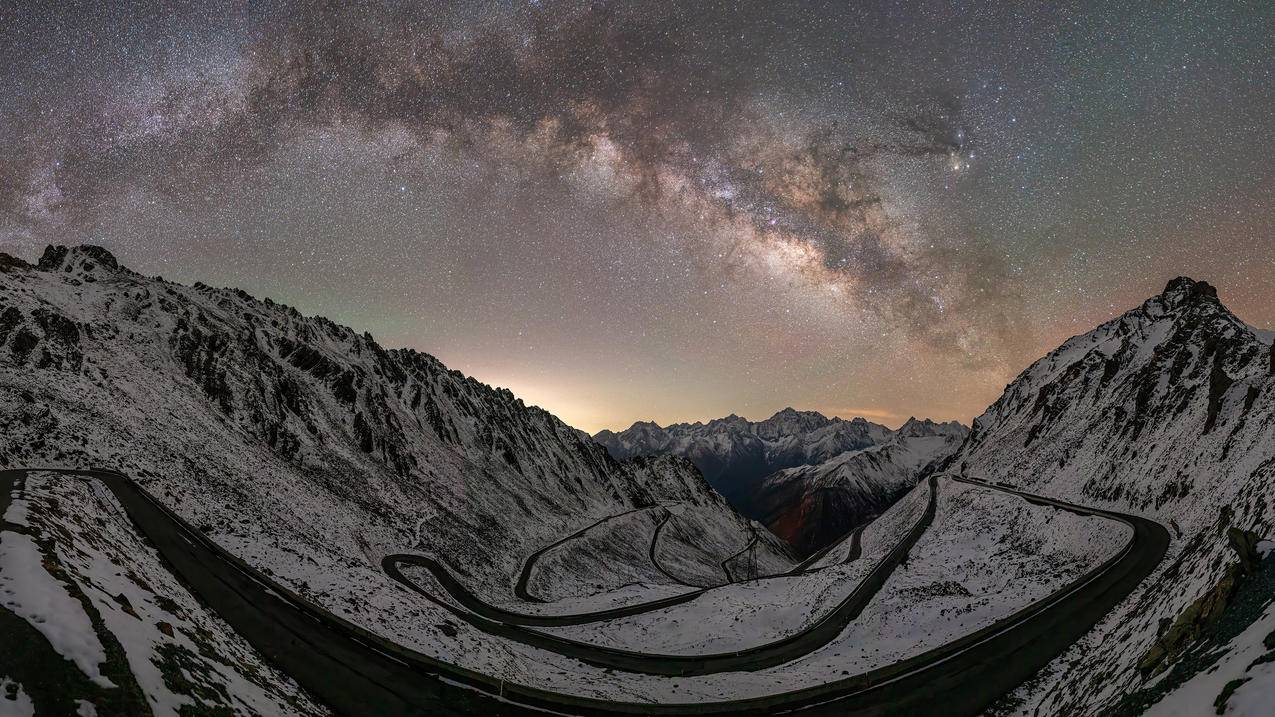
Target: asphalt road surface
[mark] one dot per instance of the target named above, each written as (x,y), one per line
(358,673)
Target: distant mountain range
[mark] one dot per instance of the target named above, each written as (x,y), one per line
(812,506)
(797,471)
(734,454)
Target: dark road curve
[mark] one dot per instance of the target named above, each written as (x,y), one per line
(356,672)
(524,576)
(726,561)
(344,666)
(652,555)
(855,551)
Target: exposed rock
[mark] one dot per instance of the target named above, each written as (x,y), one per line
(52,258)
(1245,544)
(12,263)
(126,605)
(1219,384)
(1191,624)
(735,454)
(10,319)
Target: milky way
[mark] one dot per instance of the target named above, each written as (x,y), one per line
(655,210)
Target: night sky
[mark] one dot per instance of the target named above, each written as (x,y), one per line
(664,211)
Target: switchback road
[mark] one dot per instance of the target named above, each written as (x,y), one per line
(356,672)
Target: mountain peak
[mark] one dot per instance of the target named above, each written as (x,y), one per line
(919,427)
(1187,290)
(790,413)
(88,256)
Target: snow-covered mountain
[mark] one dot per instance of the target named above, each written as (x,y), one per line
(308,449)
(734,454)
(311,452)
(812,506)
(1169,411)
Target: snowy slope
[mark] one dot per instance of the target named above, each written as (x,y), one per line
(1169,411)
(73,565)
(812,506)
(312,452)
(734,453)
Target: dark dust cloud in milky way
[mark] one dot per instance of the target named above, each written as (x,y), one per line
(662,210)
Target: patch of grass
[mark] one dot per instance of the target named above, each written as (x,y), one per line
(128,697)
(187,675)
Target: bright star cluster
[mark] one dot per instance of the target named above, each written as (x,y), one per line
(656,210)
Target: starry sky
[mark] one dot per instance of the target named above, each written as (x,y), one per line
(669,211)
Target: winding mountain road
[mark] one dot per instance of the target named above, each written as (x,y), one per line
(356,672)
(524,576)
(855,551)
(463,596)
(653,552)
(821,632)
(351,670)
(725,564)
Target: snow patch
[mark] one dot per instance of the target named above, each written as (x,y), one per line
(14,701)
(30,592)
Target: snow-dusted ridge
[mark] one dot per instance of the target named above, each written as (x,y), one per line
(1168,411)
(812,506)
(304,403)
(735,453)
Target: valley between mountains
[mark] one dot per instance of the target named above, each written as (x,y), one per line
(212,504)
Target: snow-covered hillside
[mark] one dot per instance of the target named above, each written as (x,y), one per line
(312,452)
(812,506)
(309,450)
(391,432)
(1169,411)
(735,454)
(73,566)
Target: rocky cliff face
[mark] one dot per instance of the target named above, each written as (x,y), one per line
(1169,411)
(207,392)
(735,454)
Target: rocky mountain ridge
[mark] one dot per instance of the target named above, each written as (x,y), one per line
(165,369)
